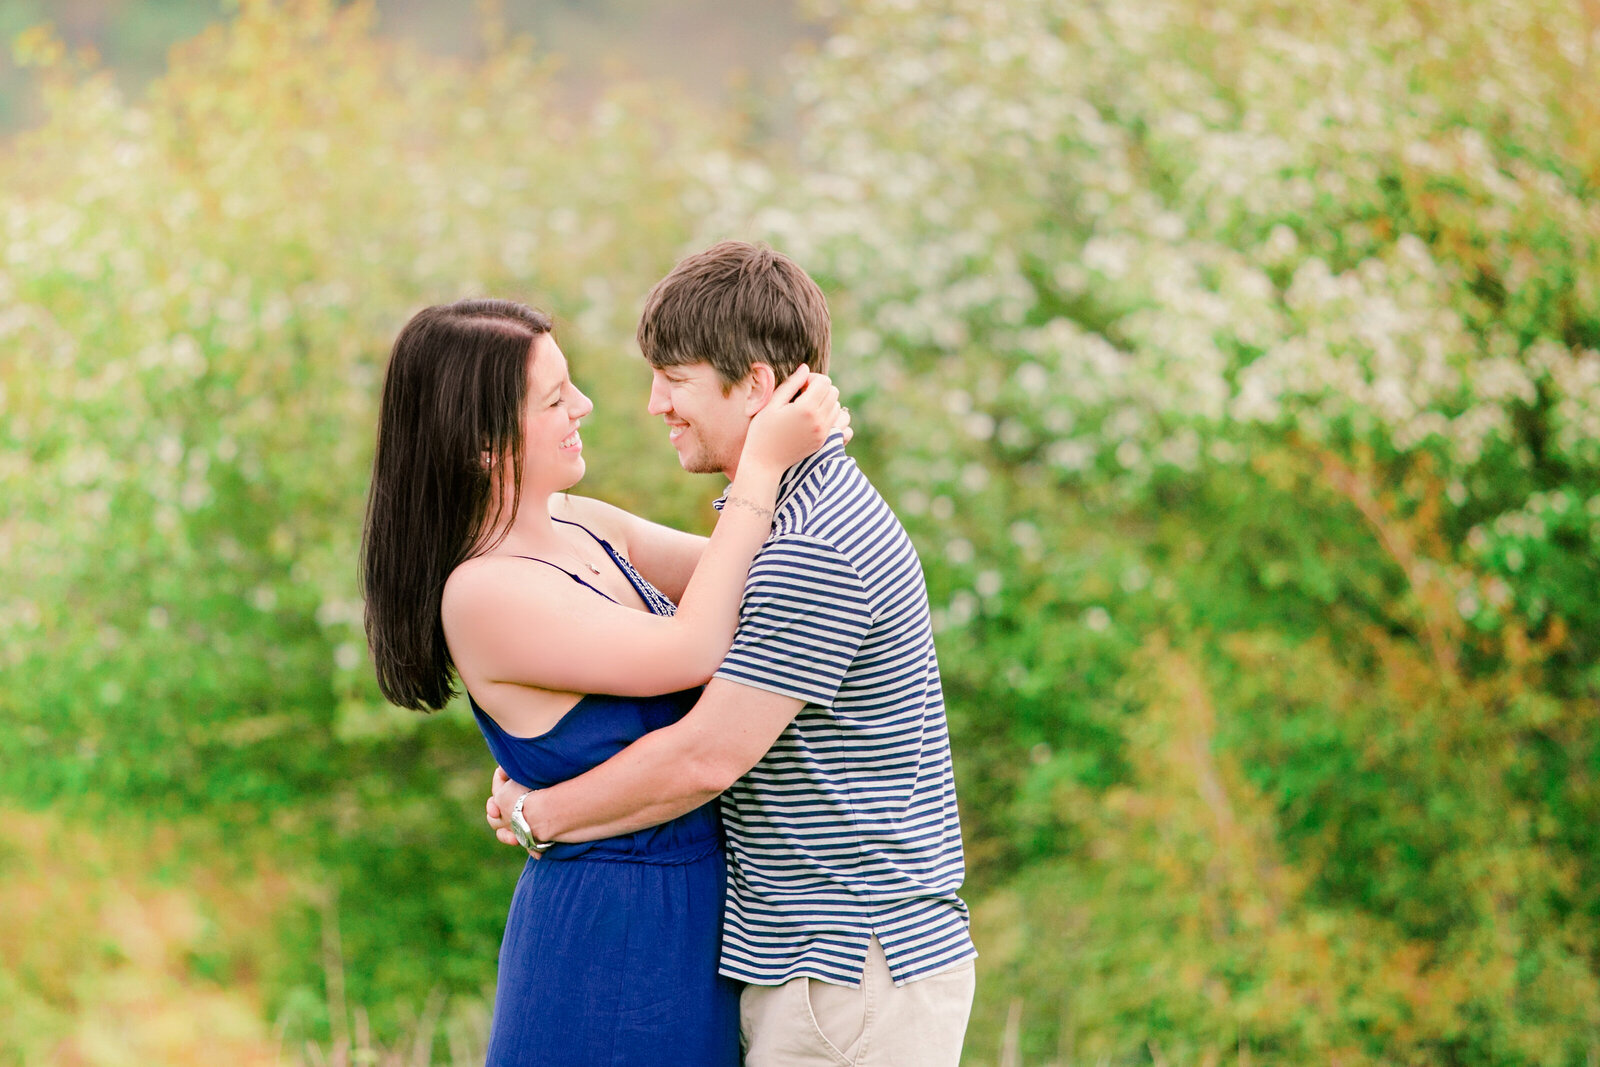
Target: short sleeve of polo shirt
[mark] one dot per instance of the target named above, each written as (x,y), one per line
(804,616)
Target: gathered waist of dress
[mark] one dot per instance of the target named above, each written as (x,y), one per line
(629,850)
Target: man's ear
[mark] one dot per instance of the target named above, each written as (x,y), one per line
(761,381)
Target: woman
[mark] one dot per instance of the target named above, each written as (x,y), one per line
(557,614)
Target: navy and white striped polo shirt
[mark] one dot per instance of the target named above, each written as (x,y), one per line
(847,828)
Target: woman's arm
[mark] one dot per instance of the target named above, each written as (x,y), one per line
(526,624)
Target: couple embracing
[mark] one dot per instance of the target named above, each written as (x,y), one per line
(626,676)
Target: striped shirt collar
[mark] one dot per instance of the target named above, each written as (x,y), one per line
(832,448)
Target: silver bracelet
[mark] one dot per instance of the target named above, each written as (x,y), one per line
(523,832)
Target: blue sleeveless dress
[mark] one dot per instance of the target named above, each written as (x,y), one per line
(610,952)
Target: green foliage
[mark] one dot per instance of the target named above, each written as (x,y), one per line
(1263,332)
(199,289)
(1233,365)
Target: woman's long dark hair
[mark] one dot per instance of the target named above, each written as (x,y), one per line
(453,394)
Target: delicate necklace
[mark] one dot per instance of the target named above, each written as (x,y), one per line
(590,567)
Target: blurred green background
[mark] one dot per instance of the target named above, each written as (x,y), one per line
(1233,364)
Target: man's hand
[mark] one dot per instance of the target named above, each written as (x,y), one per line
(503,794)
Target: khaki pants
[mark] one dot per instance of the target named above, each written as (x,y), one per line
(805,1022)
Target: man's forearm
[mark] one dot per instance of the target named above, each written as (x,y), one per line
(662,775)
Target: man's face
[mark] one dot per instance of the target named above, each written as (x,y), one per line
(706,426)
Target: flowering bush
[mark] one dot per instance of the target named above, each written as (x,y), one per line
(1233,365)
(1236,364)
(198,290)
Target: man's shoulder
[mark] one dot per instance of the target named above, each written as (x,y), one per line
(797,557)
(833,493)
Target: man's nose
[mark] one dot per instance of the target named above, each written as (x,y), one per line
(659,404)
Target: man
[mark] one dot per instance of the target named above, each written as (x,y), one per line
(824,730)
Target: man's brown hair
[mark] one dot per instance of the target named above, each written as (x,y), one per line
(732,306)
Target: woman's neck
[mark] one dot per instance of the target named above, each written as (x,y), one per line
(531,531)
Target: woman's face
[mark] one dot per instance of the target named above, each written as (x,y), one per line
(552,450)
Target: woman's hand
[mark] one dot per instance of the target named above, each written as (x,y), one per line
(841,422)
(803,411)
(503,793)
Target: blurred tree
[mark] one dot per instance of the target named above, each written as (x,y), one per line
(1265,333)
(1234,366)
(199,290)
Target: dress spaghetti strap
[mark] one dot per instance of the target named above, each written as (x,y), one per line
(569,574)
(598,539)
(654,600)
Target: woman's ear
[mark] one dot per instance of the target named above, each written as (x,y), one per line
(762,381)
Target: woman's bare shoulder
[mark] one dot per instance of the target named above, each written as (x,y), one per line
(603,519)
(490,580)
